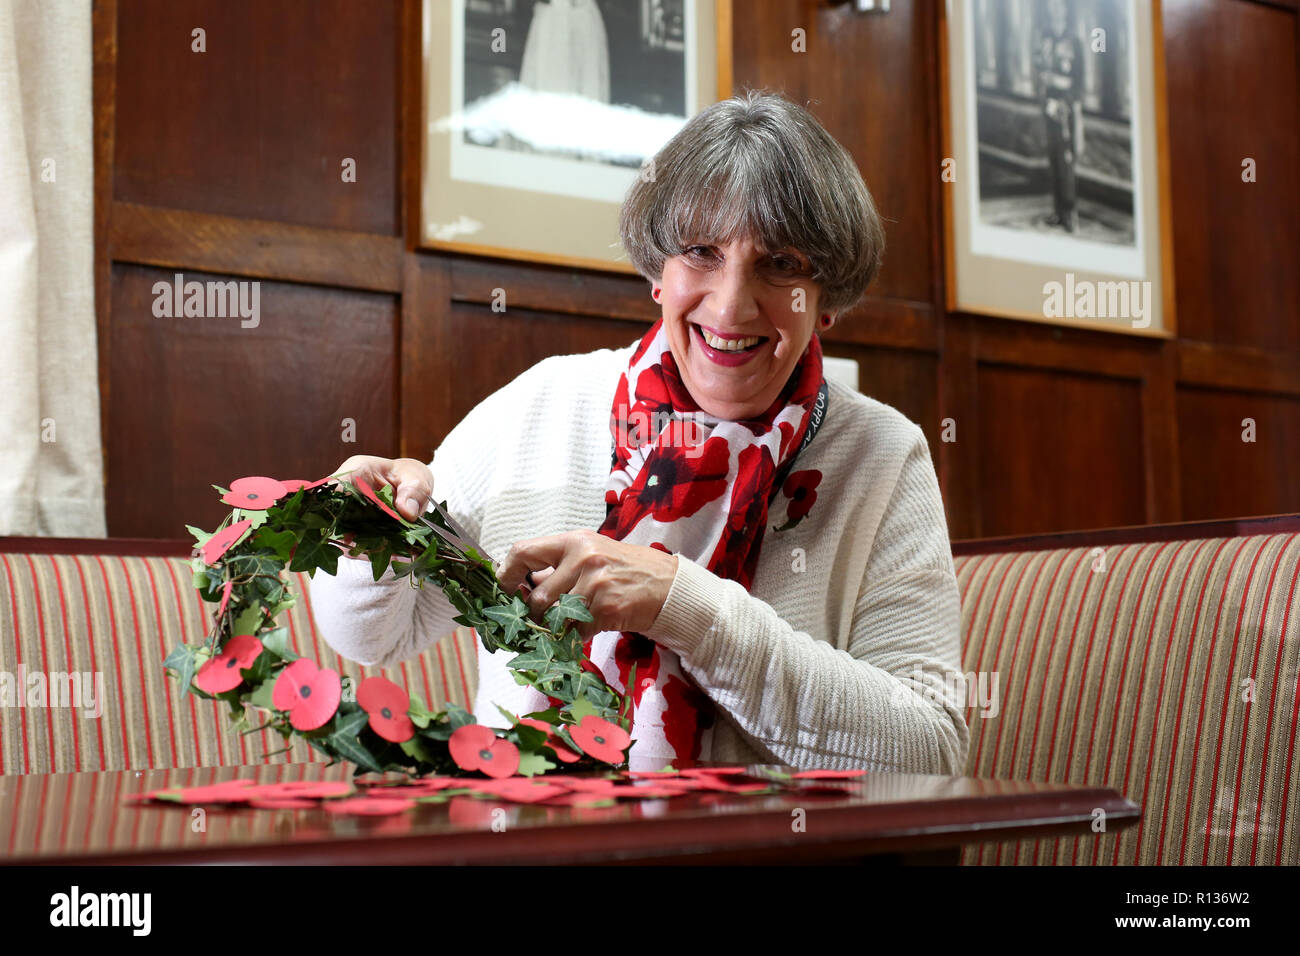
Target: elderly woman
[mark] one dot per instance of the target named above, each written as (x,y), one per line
(767,547)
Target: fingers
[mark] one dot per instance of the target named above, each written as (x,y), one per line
(535,555)
(411,480)
(412,487)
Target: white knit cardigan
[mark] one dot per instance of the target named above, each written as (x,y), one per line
(845,653)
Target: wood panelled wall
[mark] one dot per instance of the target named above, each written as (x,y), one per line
(226,164)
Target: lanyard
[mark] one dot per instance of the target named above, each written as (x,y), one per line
(815,420)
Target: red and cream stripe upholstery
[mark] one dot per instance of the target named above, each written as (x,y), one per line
(1166,670)
(120,616)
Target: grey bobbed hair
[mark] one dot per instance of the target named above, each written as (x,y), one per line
(757,165)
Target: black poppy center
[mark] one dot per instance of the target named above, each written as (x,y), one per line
(251,496)
(485,754)
(305,690)
(800,493)
(599,740)
(388,714)
(231,663)
(661,480)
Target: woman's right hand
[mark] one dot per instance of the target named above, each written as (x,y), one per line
(411,480)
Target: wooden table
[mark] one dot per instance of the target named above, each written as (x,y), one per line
(84,818)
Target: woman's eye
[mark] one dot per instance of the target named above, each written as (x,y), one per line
(698,251)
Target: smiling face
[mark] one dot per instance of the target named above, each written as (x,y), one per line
(716,297)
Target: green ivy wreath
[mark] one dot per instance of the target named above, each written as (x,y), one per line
(246,660)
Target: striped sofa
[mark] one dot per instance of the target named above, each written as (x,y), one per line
(1161,662)
(136,602)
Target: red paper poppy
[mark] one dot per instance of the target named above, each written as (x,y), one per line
(601,739)
(562,750)
(475,747)
(222,672)
(521,789)
(369,492)
(387,704)
(304,790)
(801,489)
(369,807)
(293,484)
(225,597)
(254,494)
(310,694)
(283,803)
(228,791)
(223,541)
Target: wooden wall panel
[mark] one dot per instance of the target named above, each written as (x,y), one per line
(1233,86)
(510,342)
(228,161)
(1058,450)
(197,401)
(1223,474)
(905,379)
(259,125)
(871,81)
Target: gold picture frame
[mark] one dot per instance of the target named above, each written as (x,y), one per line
(498,176)
(1003,256)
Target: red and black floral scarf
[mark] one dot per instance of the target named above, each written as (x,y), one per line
(688,483)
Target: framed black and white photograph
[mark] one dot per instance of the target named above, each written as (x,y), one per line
(541,113)
(1055,163)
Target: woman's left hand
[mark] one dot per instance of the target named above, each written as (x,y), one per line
(624,585)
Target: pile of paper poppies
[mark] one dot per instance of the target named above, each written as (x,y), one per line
(560,789)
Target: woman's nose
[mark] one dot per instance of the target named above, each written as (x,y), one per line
(736,301)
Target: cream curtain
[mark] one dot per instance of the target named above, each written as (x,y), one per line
(52,479)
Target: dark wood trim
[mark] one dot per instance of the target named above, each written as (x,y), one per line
(889,323)
(1161,472)
(131,547)
(958,461)
(546,288)
(1176,531)
(409,121)
(424,389)
(104,95)
(1238,369)
(1008,342)
(180,239)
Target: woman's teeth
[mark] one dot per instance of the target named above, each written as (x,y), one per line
(729,345)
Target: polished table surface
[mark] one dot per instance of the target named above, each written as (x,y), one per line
(86,818)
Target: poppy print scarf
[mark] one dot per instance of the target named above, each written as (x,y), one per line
(691,484)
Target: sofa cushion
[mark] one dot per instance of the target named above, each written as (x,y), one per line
(1165,670)
(118,616)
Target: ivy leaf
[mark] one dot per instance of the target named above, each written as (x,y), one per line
(281,542)
(184,661)
(568,608)
(351,724)
(248,620)
(581,708)
(277,642)
(533,763)
(261,695)
(379,561)
(538,659)
(350,749)
(509,618)
(415,748)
